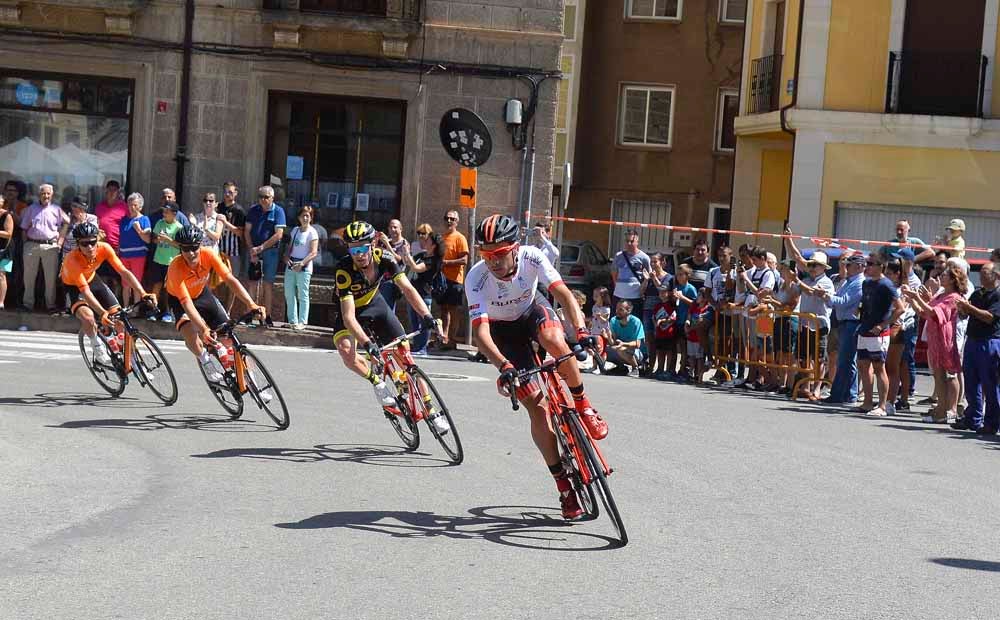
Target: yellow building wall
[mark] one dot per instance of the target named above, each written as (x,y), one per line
(857,58)
(996,81)
(775,185)
(949,178)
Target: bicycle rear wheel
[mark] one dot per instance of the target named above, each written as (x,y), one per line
(225,391)
(265,390)
(598,478)
(150,365)
(402,420)
(107,376)
(449,440)
(584,492)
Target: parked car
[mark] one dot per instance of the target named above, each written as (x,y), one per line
(584,266)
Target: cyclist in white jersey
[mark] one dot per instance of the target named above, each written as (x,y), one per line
(507,314)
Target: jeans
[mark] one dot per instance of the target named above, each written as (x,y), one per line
(390,292)
(909,346)
(297,290)
(845,384)
(980,363)
(420,342)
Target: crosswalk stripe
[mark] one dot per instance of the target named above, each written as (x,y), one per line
(18,338)
(38,355)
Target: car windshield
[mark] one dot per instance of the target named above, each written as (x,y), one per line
(569,253)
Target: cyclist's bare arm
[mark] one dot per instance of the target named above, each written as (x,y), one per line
(412,296)
(351,321)
(131,280)
(562,294)
(486,346)
(241,292)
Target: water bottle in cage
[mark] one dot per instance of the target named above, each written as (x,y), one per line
(112,339)
(225,355)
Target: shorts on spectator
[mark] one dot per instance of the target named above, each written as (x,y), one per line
(135,264)
(694,349)
(452,295)
(873,348)
(664,344)
(807,342)
(157,272)
(269,264)
(238,265)
(785,334)
(6,265)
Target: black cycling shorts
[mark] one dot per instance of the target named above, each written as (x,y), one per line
(207,305)
(375,316)
(514,338)
(100,290)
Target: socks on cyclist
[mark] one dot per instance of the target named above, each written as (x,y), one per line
(580,400)
(372,377)
(562,480)
(95,341)
(203,356)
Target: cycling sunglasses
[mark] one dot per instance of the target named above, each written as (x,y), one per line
(190,248)
(88,243)
(499,252)
(361,249)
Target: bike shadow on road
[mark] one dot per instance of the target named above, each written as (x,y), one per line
(983,565)
(384,456)
(174,421)
(527,527)
(75,399)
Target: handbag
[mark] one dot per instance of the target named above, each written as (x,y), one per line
(5,253)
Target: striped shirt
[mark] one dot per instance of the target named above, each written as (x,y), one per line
(229,244)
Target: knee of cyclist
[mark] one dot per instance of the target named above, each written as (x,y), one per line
(346,349)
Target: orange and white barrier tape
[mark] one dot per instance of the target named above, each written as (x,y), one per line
(821,241)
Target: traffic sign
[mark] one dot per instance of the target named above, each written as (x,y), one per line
(467,187)
(465,137)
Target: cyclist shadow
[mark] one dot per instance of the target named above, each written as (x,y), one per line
(73,399)
(174,421)
(526,527)
(383,456)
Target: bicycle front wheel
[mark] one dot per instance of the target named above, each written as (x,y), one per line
(599,479)
(265,391)
(150,365)
(226,390)
(107,375)
(584,492)
(434,406)
(400,417)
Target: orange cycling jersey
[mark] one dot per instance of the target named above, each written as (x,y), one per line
(78,270)
(186,282)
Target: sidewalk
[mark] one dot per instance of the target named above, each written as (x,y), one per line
(311,337)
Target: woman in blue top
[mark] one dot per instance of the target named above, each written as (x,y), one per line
(135,234)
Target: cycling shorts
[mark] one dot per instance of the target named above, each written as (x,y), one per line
(514,338)
(377,317)
(207,305)
(100,290)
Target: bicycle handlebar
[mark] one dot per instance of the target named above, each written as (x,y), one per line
(547,366)
(229,325)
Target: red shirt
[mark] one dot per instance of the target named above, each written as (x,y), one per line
(109,219)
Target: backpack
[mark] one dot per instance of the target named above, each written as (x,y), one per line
(439,285)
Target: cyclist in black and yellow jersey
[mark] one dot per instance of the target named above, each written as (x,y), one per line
(358,278)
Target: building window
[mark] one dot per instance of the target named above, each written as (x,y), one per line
(729,109)
(654,9)
(69,131)
(569,22)
(733,11)
(647,114)
(641,212)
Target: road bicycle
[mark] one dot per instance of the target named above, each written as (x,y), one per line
(581,457)
(416,399)
(243,373)
(132,353)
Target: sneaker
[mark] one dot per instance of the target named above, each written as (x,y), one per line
(440,424)
(824,393)
(634,371)
(930,400)
(298,326)
(877,412)
(963,425)
(384,394)
(420,353)
(609,366)
(166,317)
(890,409)
(101,357)
(729,384)
(268,321)
(571,508)
(595,424)
(151,317)
(211,371)
(902,406)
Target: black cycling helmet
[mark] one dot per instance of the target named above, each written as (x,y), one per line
(85,230)
(359,231)
(189,235)
(498,229)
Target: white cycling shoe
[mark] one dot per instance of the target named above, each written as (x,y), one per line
(440,424)
(101,356)
(211,371)
(384,394)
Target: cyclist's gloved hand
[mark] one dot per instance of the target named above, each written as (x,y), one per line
(580,353)
(429,323)
(507,379)
(584,339)
(260,311)
(371,349)
(150,299)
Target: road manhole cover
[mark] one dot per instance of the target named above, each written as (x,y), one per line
(449,377)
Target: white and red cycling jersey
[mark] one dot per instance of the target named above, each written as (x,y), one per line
(499,300)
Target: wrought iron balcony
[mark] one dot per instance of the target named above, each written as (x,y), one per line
(394,9)
(765,79)
(936,83)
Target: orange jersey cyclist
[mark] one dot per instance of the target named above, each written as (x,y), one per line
(358,278)
(190,299)
(88,294)
(507,313)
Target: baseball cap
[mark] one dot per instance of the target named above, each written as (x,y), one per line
(80,203)
(956,224)
(856,259)
(171,206)
(904,254)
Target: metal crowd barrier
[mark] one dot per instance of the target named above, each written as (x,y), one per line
(755,341)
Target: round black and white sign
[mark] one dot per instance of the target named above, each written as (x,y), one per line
(465,137)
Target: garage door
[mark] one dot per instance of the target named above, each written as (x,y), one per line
(877,222)
(644,212)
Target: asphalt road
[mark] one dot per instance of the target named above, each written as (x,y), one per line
(737,506)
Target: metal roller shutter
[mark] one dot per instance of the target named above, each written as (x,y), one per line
(645,212)
(877,222)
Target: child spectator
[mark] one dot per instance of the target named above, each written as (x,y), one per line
(570,331)
(166,249)
(665,332)
(954,237)
(698,312)
(684,295)
(600,315)
(133,239)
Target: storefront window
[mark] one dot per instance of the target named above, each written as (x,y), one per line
(69,131)
(343,156)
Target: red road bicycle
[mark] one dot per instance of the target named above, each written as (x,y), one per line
(581,457)
(416,398)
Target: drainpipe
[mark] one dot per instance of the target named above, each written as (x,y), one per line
(792,104)
(182,127)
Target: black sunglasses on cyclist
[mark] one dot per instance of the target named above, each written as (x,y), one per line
(87,244)
(190,248)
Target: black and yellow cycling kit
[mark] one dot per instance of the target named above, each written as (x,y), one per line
(369,306)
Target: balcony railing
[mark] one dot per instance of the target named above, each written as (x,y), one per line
(398,9)
(936,83)
(765,78)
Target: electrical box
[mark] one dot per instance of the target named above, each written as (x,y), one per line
(513,112)
(682,239)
